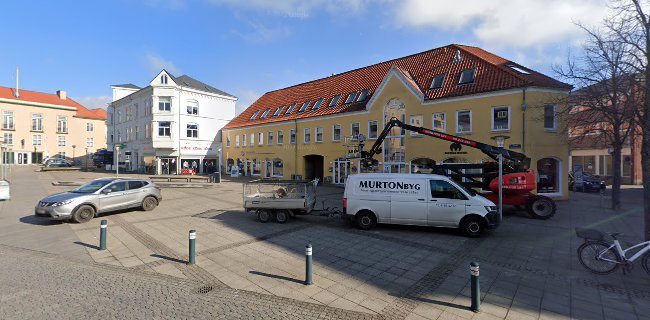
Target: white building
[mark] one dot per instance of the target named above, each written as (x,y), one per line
(171,126)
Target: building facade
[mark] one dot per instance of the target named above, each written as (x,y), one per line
(37,125)
(309,129)
(169,127)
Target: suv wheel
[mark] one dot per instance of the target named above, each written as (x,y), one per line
(83,214)
(149,203)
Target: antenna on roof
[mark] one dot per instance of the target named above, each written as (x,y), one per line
(458,58)
(17,94)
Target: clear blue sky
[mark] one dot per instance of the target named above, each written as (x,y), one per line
(249,47)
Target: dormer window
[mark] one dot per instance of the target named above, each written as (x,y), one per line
(363,95)
(335,101)
(265,114)
(317,104)
(290,110)
(277,112)
(467,76)
(437,81)
(304,106)
(351,97)
(254,116)
(163,79)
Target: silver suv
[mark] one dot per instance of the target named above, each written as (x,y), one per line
(99,196)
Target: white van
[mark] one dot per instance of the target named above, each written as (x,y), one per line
(417,199)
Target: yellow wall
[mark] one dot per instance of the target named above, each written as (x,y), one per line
(540,143)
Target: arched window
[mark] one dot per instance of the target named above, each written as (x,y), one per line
(278,168)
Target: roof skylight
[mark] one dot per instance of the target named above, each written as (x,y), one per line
(467,76)
(351,97)
(519,69)
(437,81)
(363,95)
(290,110)
(335,101)
(265,114)
(304,106)
(277,112)
(317,104)
(254,116)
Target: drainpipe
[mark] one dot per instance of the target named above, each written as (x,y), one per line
(523,121)
(295,147)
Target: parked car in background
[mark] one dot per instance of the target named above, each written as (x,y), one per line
(57,162)
(102,157)
(585,182)
(99,196)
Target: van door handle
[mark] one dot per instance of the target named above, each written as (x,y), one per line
(421,199)
(434,200)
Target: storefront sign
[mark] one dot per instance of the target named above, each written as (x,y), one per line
(455,148)
(197,147)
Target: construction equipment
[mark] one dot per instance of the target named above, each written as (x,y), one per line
(518,180)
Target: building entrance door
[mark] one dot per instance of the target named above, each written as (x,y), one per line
(268,165)
(340,171)
(23,158)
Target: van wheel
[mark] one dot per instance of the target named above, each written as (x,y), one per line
(281,216)
(83,214)
(366,220)
(263,215)
(472,226)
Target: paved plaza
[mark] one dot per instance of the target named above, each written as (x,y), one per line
(247,269)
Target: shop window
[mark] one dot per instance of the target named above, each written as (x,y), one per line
(548,179)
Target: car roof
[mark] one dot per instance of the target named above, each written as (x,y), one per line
(123,179)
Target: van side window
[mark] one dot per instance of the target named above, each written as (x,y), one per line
(444,189)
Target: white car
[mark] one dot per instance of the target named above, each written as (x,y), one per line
(417,199)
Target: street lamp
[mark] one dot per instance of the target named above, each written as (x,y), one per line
(73,147)
(117,160)
(501,141)
(3,147)
(86,159)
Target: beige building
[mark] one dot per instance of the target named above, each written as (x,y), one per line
(37,125)
(306,130)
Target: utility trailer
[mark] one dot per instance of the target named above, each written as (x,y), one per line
(279,199)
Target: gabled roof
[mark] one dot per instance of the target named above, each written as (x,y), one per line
(52,99)
(126,85)
(492,73)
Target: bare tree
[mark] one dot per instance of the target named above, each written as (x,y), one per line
(602,109)
(630,24)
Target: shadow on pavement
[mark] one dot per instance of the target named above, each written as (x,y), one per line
(441,303)
(275,276)
(39,221)
(155,255)
(91,246)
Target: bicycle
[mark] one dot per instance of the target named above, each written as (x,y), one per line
(602,253)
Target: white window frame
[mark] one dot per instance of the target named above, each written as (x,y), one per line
(37,140)
(293,136)
(554,117)
(61,124)
(170,129)
(411,117)
(90,142)
(162,103)
(192,107)
(8,120)
(236,140)
(306,133)
(444,121)
(376,131)
(252,142)
(471,127)
(334,127)
(243,140)
(192,130)
(37,122)
(260,138)
(352,130)
(90,127)
(269,137)
(61,141)
(227,141)
(278,140)
(8,138)
(319,130)
(509,118)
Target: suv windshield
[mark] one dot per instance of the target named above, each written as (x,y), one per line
(92,186)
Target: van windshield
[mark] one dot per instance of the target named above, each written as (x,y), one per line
(469,191)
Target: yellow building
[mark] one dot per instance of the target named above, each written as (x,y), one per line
(37,125)
(306,129)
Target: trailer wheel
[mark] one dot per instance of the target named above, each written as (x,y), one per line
(281,216)
(366,220)
(540,207)
(263,216)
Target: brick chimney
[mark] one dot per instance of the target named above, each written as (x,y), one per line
(62,94)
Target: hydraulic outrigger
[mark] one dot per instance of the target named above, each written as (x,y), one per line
(518,180)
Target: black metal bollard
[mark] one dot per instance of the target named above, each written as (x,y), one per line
(192,258)
(102,235)
(308,266)
(476,287)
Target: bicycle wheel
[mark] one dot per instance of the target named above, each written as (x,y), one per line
(592,256)
(646,263)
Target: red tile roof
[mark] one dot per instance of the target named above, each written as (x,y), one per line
(50,98)
(492,73)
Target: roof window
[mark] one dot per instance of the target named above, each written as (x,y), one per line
(335,101)
(437,81)
(254,116)
(363,95)
(290,110)
(317,104)
(519,69)
(351,97)
(304,106)
(467,76)
(265,114)
(277,112)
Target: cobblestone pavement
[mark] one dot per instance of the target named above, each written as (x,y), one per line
(529,269)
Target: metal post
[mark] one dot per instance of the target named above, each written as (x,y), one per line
(500,186)
(192,259)
(476,288)
(102,235)
(308,267)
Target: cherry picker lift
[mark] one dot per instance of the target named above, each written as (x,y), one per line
(518,180)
